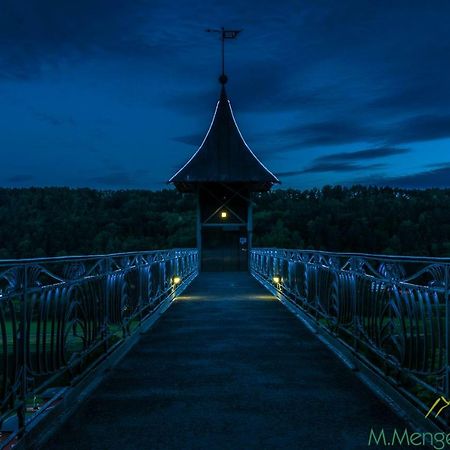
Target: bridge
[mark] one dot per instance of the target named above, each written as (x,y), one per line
(225,345)
(140,350)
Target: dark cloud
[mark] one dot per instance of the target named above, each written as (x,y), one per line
(292,173)
(267,86)
(34,33)
(354,72)
(20,178)
(140,172)
(324,133)
(438,165)
(114,179)
(420,128)
(416,98)
(337,167)
(340,167)
(190,139)
(53,119)
(370,153)
(256,90)
(436,178)
(202,101)
(327,133)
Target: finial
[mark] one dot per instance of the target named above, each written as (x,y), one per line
(223,79)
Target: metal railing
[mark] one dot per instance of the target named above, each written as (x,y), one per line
(61,316)
(390,312)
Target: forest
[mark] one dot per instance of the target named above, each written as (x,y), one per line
(36,222)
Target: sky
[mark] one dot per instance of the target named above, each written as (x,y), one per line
(119,94)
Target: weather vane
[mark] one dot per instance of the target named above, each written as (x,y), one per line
(225,34)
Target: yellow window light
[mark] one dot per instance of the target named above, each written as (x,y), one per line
(223,214)
(176,280)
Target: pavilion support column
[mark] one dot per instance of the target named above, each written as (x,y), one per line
(199,230)
(249,231)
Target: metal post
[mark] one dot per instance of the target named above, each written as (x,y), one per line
(353,268)
(447,332)
(223,51)
(199,231)
(107,297)
(337,272)
(140,277)
(21,411)
(249,232)
(316,287)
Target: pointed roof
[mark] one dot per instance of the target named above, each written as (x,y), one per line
(224,156)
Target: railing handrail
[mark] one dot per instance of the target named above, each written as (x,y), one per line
(372,256)
(75,258)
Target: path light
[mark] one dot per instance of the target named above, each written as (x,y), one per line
(276,279)
(176,280)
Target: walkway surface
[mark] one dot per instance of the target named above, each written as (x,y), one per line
(227,367)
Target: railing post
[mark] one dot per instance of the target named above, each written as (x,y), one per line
(139,269)
(21,410)
(107,297)
(447,332)
(316,287)
(336,271)
(353,274)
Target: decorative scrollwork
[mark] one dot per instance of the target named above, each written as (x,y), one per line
(392,271)
(58,315)
(391,310)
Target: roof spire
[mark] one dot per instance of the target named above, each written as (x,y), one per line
(225,34)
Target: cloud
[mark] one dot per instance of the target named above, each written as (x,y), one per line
(36,33)
(337,167)
(420,128)
(419,97)
(20,178)
(54,119)
(331,132)
(264,95)
(348,131)
(347,161)
(190,139)
(435,178)
(315,76)
(114,179)
(439,165)
(370,153)
(193,101)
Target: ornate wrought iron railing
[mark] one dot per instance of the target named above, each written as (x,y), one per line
(61,316)
(391,312)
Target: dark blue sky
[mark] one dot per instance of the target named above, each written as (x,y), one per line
(110,94)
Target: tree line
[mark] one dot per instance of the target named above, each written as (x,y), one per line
(62,221)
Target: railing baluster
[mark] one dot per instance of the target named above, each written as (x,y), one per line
(447,334)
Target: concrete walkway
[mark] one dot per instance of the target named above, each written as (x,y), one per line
(227,367)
